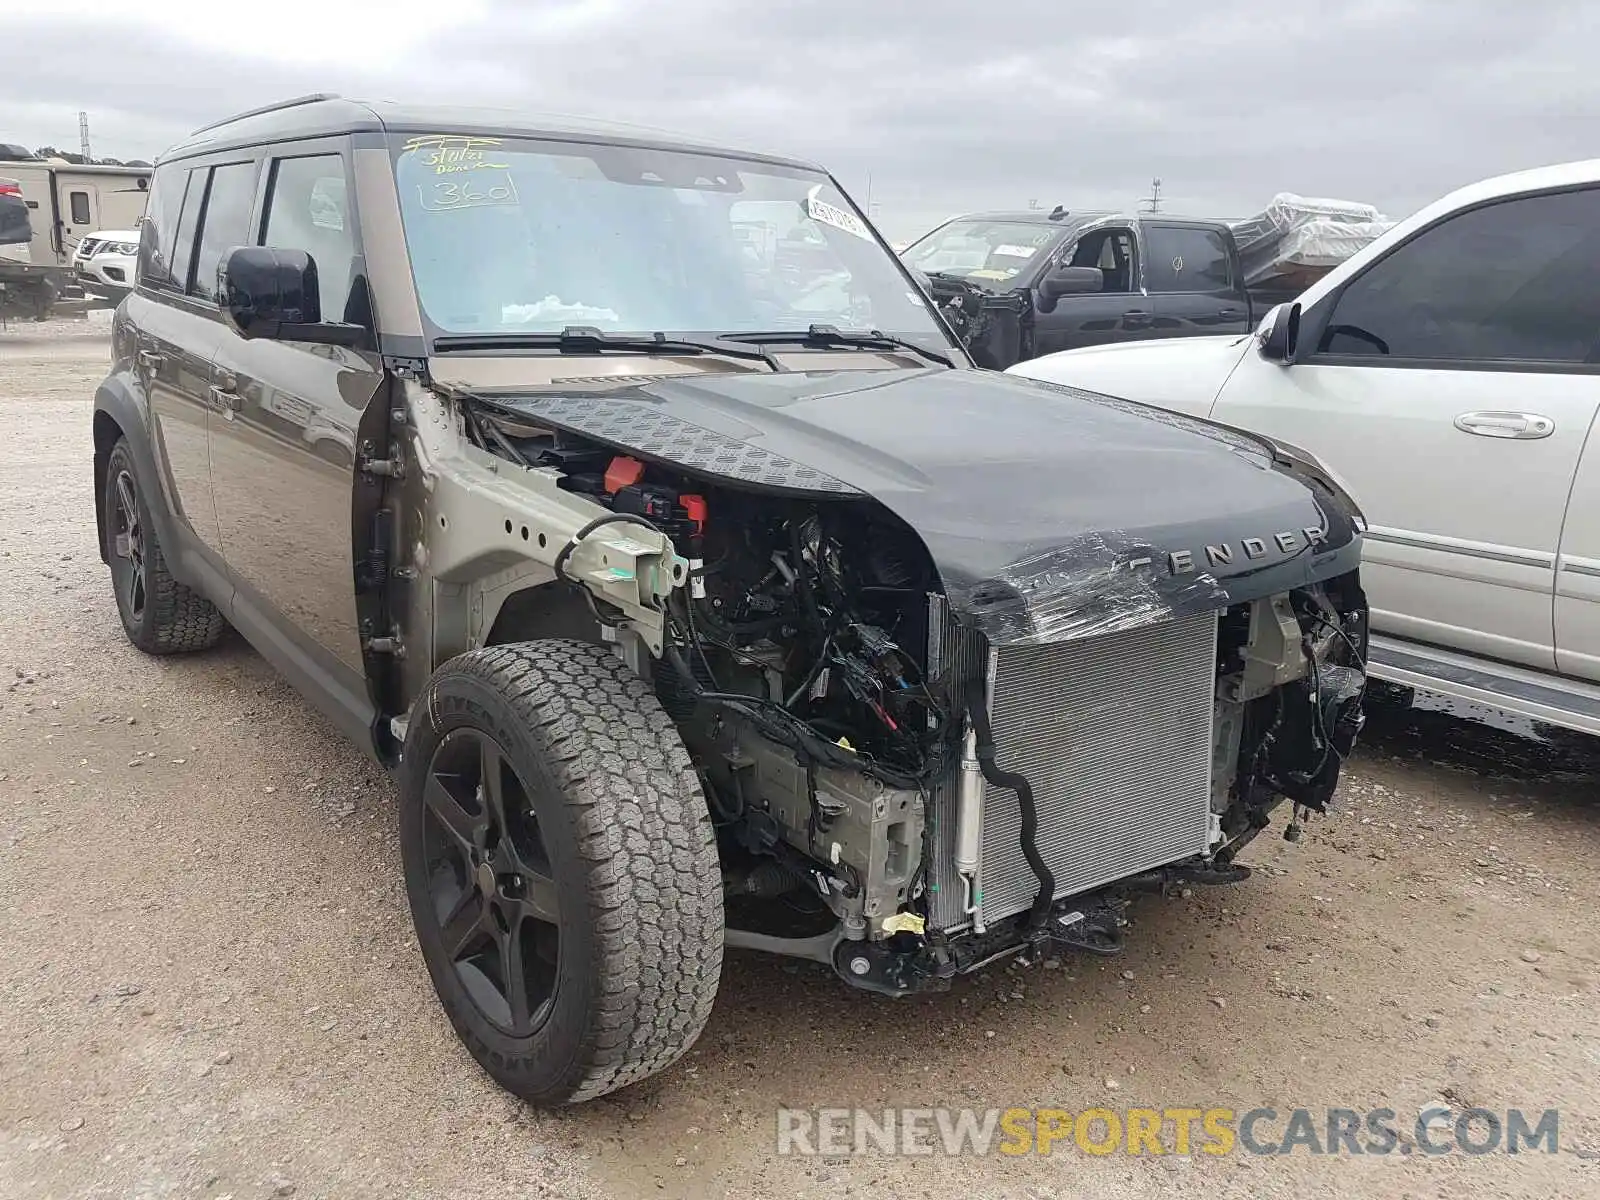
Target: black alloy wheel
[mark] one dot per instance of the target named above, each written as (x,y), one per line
(561,868)
(490,882)
(127,545)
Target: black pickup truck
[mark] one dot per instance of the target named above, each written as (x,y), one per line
(1015,285)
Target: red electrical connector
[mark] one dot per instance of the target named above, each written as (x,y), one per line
(623,472)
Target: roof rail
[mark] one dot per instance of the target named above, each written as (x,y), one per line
(313,98)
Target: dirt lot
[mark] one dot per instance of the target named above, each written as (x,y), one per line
(209,985)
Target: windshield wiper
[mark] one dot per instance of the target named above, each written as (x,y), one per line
(830,335)
(586,339)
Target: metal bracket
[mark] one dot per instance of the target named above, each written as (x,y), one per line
(386,645)
(406,368)
(387,468)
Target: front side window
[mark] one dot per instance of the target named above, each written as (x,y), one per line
(1511,281)
(226,223)
(1186,260)
(1111,251)
(987,253)
(511,235)
(308,209)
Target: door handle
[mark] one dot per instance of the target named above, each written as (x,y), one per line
(1522,426)
(150,360)
(1228,314)
(1136,316)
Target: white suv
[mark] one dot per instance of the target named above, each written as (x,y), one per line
(1450,375)
(105,261)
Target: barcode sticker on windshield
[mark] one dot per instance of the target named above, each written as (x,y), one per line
(831,214)
(1010,251)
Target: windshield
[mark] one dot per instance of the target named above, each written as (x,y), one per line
(986,252)
(509,235)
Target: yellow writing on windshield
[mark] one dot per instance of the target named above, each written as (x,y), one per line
(446,195)
(449,153)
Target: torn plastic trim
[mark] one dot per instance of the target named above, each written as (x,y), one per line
(1098,583)
(1101,583)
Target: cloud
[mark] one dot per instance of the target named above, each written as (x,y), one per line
(934,106)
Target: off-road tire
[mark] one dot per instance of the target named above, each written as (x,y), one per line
(631,852)
(174,618)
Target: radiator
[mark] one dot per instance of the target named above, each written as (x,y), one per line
(1114,735)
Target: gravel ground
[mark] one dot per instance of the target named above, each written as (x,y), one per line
(209,985)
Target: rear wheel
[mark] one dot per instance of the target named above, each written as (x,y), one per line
(561,869)
(160,615)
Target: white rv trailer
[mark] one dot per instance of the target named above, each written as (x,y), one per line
(67,202)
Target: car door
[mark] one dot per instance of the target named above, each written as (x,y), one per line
(283,444)
(78,204)
(1452,384)
(175,338)
(1189,273)
(1578,570)
(1119,312)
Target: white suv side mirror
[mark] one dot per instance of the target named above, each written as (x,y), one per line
(1279,334)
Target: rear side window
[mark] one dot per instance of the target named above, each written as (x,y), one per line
(225,223)
(1513,281)
(158,228)
(188,226)
(1186,260)
(78,202)
(308,209)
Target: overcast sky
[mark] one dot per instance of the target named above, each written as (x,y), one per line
(940,105)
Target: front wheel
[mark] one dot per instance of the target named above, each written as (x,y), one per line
(561,868)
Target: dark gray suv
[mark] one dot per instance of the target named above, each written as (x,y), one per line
(628,498)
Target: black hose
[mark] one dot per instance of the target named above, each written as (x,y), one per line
(783,727)
(812,675)
(808,599)
(978,714)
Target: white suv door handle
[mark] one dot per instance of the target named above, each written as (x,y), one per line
(1506,424)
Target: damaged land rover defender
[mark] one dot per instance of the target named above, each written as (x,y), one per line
(627,497)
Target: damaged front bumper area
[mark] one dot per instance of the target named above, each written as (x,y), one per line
(1138,757)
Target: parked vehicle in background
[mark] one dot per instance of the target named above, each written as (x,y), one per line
(1015,285)
(627,498)
(27,288)
(67,203)
(105,262)
(1450,374)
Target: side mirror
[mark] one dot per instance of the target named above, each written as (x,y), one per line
(1072,281)
(1069,281)
(1279,334)
(272,295)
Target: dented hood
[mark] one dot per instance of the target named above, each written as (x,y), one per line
(1050,513)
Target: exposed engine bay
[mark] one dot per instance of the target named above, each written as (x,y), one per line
(896,796)
(995,327)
